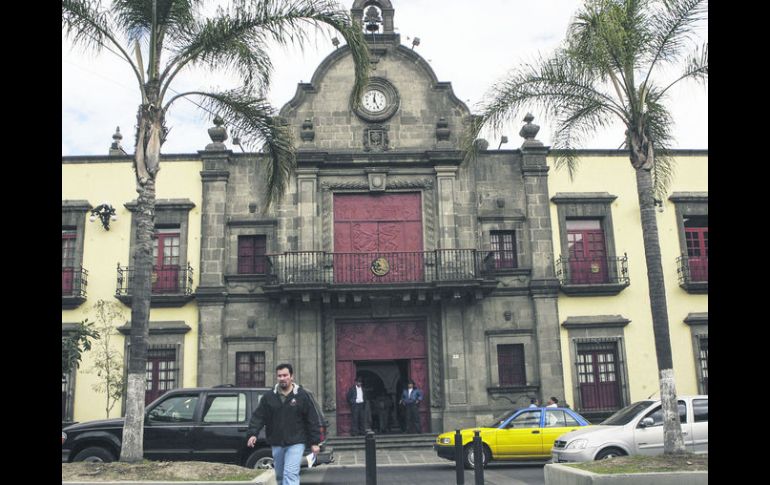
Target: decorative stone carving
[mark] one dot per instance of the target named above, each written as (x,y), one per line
(376,139)
(442,132)
(218,135)
(529,131)
(378,181)
(308,133)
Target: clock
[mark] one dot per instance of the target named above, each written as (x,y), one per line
(379,102)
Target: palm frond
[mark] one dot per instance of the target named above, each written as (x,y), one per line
(256,122)
(135,16)
(658,125)
(674,23)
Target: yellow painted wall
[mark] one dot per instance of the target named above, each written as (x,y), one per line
(103,250)
(616,176)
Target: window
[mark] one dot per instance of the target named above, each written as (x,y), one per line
(587,252)
(165,256)
(703,360)
(250,369)
(176,409)
(657,414)
(700,409)
(503,247)
(696,231)
(510,365)
(66,394)
(225,409)
(527,419)
(598,375)
(68,261)
(161,372)
(251,254)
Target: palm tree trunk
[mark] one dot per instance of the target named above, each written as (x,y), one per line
(141,291)
(672,430)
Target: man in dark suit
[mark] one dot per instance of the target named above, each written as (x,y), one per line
(357,403)
(411,398)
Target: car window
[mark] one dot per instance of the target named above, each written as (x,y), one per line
(500,419)
(556,418)
(175,409)
(700,408)
(225,408)
(570,420)
(527,419)
(627,414)
(657,414)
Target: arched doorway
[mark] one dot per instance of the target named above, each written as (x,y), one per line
(386,354)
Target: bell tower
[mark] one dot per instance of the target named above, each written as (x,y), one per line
(374,16)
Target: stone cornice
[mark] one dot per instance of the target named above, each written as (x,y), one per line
(160,328)
(164,204)
(595,321)
(583,198)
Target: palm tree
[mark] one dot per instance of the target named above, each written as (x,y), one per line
(603,73)
(173,35)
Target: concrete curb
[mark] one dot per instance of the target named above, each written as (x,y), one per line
(267,478)
(556,474)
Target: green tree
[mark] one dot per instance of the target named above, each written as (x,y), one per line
(108,363)
(74,343)
(604,72)
(158,39)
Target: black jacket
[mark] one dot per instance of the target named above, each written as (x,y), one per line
(351,396)
(287,423)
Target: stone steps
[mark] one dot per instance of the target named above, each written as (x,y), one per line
(385,441)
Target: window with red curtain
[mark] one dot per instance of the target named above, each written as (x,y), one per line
(250,369)
(503,247)
(510,365)
(251,254)
(696,231)
(67,260)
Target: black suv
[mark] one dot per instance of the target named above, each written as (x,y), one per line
(195,424)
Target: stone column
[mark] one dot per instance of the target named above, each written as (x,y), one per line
(446,207)
(544,286)
(307,202)
(211,291)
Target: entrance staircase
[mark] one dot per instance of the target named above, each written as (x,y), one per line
(385,441)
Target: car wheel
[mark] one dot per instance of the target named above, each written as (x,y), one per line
(609,453)
(94,454)
(261,459)
(469,459)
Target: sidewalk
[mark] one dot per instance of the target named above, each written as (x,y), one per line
(356,458)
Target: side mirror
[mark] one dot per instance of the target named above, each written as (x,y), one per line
(646,422)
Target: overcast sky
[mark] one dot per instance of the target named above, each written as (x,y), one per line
(471,44)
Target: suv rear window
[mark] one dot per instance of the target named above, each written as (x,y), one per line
(700,408)
(229,408)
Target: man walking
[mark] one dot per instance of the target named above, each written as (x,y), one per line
(411,398)
(291,421)
(358,407)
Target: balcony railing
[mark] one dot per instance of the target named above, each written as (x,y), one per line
(693,272)
(166,281)
(375,268)
(593,275)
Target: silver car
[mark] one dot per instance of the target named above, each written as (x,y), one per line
(637,429)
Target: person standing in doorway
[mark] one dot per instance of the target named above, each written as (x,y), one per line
(357,403)
(411,398)
(291,421)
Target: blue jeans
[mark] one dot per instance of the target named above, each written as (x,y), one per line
(287,461)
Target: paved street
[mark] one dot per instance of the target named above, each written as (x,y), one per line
(412,467)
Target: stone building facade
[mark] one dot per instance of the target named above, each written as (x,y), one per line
(388,257)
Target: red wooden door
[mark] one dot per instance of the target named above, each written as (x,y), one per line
(165,254)
(161,373)
(698,252)
(377,238)
(587,254)
(598,378)
(372,341)
(67,261)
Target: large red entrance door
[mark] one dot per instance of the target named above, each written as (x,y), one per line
(380,341)
(385,228)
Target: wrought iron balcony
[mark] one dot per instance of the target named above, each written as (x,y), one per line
(171,285)
(592,276)
(693,272)
(379,268)
(416,276)
(73,286)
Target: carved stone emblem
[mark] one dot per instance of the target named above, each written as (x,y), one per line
(380,267)
(376,138)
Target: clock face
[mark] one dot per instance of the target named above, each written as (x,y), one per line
(374,101)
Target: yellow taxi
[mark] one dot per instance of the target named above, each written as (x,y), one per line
(520,434)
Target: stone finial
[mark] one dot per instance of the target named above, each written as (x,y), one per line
(308,133)
(529,131)
(115,148)
(218,135)
(442,130)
